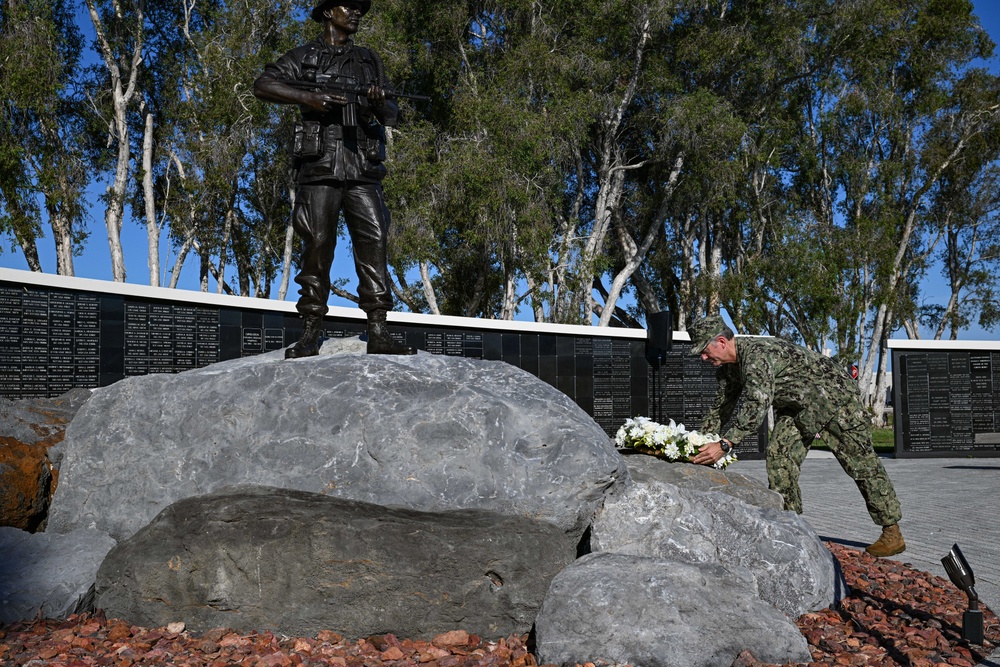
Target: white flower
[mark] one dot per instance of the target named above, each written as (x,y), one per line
(725,460)
(671,441)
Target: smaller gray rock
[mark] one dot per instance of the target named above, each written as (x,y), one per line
(256,558)
(659,613)
(645,468)
(792,569)
(47,574)
(32,420)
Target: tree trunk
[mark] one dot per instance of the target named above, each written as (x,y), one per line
(286,254)
(62,232)
(152,229)
(286,261)
(122,95)
(881,383)
(30,250)
(537,307)
(425,280)
(635,254)
(203,265)
(688,233)
(610,183)
(227,228)
(509,297)
(175,272)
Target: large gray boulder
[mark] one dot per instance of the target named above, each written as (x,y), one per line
(425,432)
(645,468)
(47,575)
(256,558)
(791,568)
(658,613)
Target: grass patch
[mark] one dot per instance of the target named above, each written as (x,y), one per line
(883,439)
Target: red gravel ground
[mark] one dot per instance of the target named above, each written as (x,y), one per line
(896,616)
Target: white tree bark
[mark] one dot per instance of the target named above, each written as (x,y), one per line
(634,253)
(611,180)
(425,280)
(227,229)
(62,232)
(152,229)
(123,92)
(286,255)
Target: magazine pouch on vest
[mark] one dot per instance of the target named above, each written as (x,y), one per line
(307,141)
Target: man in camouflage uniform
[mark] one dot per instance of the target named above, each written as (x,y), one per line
(810,395)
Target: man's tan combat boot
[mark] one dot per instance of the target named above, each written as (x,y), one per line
(889,544)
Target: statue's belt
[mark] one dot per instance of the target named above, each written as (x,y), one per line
(338,132)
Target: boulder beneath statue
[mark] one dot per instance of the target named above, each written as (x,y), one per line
(255,558)
(624,609)
(28,429)
(789,565)
(47,575)
(426,432)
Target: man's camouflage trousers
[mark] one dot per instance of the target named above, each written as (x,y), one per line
(848,435)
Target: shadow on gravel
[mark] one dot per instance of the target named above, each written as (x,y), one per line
(846,543)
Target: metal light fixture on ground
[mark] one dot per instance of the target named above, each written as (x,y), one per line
(961,575)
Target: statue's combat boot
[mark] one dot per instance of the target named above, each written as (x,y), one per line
(308,345)
(380,340)
(889,544)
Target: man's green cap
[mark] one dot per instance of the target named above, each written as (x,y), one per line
(317,12)
(704,331)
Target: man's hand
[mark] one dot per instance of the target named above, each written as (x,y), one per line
(708,454)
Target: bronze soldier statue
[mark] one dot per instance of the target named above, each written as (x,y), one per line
(810,395)
(338,151)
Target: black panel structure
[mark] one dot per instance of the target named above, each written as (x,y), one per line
(53,339)
(946,402)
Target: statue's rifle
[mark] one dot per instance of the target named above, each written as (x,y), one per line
(348,89)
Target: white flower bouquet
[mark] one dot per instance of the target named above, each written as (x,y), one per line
(670,441)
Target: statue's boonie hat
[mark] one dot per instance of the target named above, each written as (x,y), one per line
(317,13)
(704,331)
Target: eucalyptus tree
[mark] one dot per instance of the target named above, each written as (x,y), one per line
(720,92)
(120,28)
(542,111)
(41,148)
(471,176)
(965,214)
(970,257)
(216,140)
(870,152)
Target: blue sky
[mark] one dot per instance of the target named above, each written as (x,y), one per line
(95,263)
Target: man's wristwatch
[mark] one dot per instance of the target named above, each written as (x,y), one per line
(726,446)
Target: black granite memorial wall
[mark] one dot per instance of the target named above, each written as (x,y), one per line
(946,402)
(53,339)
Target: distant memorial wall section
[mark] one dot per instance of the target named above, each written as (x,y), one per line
(57,333)
(946,398)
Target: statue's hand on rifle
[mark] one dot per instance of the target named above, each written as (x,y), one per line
(322,101)
(376,95)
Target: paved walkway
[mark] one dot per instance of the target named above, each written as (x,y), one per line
(944,501)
